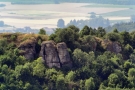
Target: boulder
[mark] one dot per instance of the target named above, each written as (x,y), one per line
(112,46)
(52,54)
(49,54)
(64,55)
(29,49)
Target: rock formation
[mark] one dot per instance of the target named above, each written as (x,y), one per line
(49,54)
(112,46)
(29,49)
(55,55)
(63,55)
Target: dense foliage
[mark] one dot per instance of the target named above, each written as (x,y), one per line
(93,69)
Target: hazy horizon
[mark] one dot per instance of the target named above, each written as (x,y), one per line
(38,16)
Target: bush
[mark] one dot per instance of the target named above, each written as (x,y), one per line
(13,37)
(42,31)
(113,36)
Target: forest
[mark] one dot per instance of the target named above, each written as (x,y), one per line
(97,62)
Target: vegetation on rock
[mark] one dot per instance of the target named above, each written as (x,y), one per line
(100,61)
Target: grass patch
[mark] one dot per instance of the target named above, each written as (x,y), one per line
(20,38)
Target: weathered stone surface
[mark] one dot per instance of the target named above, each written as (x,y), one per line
(64,55)
(29,50)
(53,55)
(49,54)
(112,46)
(93,46)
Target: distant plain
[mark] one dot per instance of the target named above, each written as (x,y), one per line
(47,15)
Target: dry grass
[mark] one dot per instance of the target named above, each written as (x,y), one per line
(98,39)
(20,38)
(104,42)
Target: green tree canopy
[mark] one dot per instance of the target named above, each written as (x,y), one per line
(42,31)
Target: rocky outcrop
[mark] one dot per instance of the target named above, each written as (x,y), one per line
(28,49)
(112,46)
(49,54)
(63,55)
(55,55)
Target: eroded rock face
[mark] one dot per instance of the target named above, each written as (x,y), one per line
(112,46)
(29,50)
(55,55)
(63,55)
(49,54)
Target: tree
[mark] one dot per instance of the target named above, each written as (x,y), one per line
(113,36)
(126,37)
(132,57)
(102,87)
(115,31)
(38,68)
(42,31)
(60,83)
(61,23)
(113,80)
(70,76)
(85,31)
(131,76)
(127,65)
(89,84)
(23,72)
(88,43)
(128,49)
(68,35)
(101,32)
(80,58)
(133,39)
(3,46)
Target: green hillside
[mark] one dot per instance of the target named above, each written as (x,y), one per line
(100,60)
